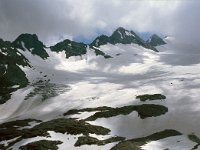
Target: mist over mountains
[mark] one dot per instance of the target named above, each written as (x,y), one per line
(118,92)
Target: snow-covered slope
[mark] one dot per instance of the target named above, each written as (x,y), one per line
(96,91)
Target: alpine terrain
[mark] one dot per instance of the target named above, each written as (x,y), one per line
(118,93)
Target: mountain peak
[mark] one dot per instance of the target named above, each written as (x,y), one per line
(28,39)
(120,35)
(32,44)
(28,35)
(155,40)
(123,33)
(71,48)
(100,40)
(123,36)
(120,29)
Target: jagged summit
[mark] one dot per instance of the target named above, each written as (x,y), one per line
(155,40)
(71,48)
(122,33)
(32,44)
(123,36)
(100,40)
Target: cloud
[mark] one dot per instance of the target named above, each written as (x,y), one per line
(186,23)
(55,20)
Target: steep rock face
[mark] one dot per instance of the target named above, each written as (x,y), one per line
(10,72)
(10,54)
(32,44)
(155,40)
(123,36)
(71,48)
(100,40)
(10,60)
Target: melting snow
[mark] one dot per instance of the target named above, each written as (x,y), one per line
(120,34)
(15,86)
(18,54)
(4,53)
(129,33)
(5,69)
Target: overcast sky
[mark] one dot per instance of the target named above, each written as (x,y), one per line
(54,20)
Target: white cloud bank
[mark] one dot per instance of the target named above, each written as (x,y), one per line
(54,20)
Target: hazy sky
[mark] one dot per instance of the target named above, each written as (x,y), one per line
(53,20)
